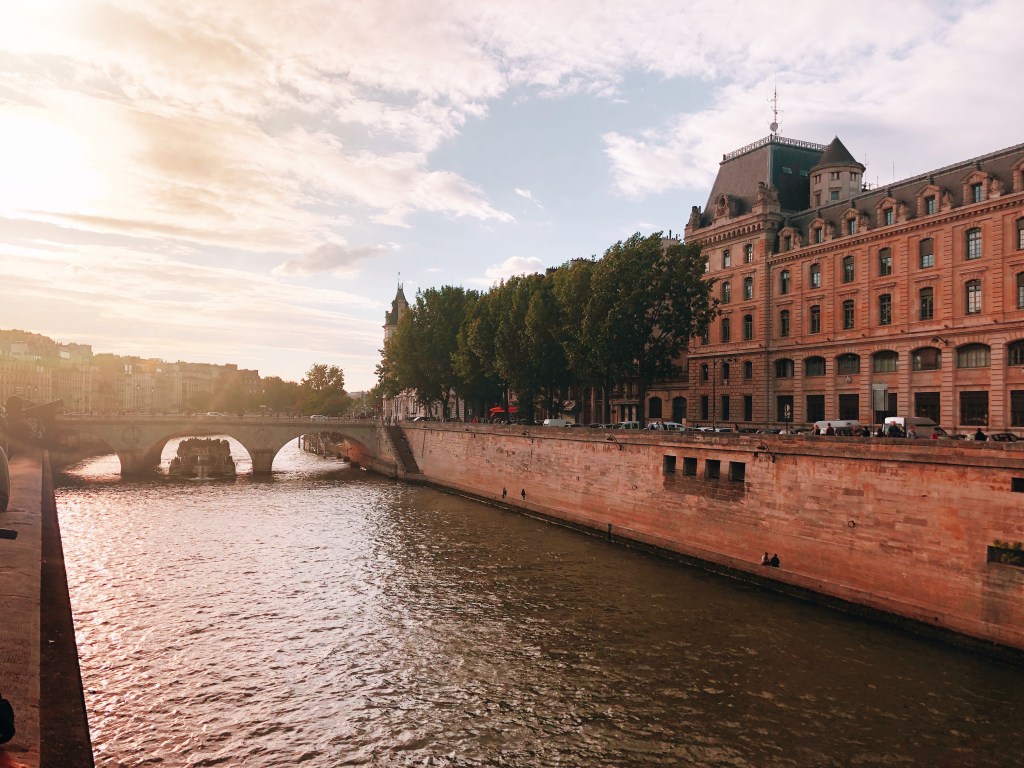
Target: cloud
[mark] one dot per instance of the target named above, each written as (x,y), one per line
(527,195)
(514,265)
(329,257)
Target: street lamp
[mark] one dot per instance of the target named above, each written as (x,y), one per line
(714,382)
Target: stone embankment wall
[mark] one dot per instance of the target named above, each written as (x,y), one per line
(896,526)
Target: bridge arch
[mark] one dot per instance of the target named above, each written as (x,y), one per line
(139,441)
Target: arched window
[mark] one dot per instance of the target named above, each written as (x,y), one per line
(654,408)
(814,325)
(974,243)
(1020,290)
(972,300)
(973,356)
(814,366)
(678,409)
(885,309)
(1015,353)
(848,364)
(748,327)
(848,316)
(848,272)
(784,323)
(926,297)
(726,329)
(926,253)
(784,281)
(926,359)
(726,292)
(784,368)
(815,276)
(748,253)
(884,362)
(748,288)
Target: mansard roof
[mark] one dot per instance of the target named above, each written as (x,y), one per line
(786,161)
(837,154)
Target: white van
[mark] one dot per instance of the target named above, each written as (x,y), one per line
(845,427)
(557,422)
(923,426)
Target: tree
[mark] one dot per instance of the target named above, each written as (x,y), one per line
(323,390)
(280,396)
(649,298)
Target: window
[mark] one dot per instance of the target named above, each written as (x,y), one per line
(1016,408)
(848,273)
(851,226)
(885,262)
(976,193)
(974,243)
(726,292)
(849,407)
(926,359)
(814,366)
(974,408)
(848,364)
(884,362)
(748,254)
(1020,290)
(854,176)
(973,298)
(748,327)
(848,314)
(815,407)
(748,369)
(1015,353)
(814,326)
(815,276)
(705,408)
(784,368)
(705,337)
(819,232)
(654,408)
(787,170)
(704,371)
(929,204)
(926,253)
(679,409)
(748,407)
(833,195)
(1020,234)
(712,469)
(707,265)
(784,323)
(725,408)
(926,302)
(748,288)
(668,465)
(885,309)
(690,465)
(726,330)
(725,372)
(928,405)
(973,356)
(726,259)
(888,216)
(833,175)
(787,242)
(817,201)
(737,470)
(784,281)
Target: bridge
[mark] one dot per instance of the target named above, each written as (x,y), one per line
(139,440)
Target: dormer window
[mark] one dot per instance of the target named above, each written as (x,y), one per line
(851,226)
(929,204)
(977,192)
(888,216)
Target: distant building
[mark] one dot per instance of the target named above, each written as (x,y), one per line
(404,405)
(841,301)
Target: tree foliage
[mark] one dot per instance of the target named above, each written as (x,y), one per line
(322,391)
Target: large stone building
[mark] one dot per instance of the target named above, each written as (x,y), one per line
(840,301)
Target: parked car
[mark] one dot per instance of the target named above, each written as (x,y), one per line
(422,418)
(1003,437)
(557,423)
(628,425)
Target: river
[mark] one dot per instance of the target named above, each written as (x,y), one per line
(330,617)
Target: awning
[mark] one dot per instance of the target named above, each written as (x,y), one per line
(569,405)
(499,409)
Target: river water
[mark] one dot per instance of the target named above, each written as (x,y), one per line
(329,617)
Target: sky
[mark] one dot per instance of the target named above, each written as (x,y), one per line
(249,182)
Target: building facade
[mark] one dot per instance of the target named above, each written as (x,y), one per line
(839,301)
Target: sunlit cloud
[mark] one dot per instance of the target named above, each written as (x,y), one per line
(329,257)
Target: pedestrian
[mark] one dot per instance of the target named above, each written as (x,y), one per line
(911,431)
(774,562)
(523,494)
(504,493)
(979,435)
(829,429)
(765,560)
(815,431)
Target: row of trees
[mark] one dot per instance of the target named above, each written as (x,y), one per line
(588,323)
(322,391)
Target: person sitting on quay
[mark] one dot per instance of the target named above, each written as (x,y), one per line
(829,429)
(765,560)
(774,562)
(979,435)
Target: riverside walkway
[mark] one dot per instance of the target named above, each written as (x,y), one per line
(39,670)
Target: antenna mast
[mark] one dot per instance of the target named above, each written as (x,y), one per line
(774,101)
